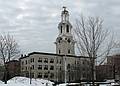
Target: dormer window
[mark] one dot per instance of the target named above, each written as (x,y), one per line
(67,27)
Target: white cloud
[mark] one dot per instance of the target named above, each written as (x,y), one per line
(36,20)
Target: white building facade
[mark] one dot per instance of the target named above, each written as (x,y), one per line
(64,65)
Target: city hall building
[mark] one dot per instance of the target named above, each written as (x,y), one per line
(62,66)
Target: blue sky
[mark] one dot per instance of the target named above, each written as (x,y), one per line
(33,23)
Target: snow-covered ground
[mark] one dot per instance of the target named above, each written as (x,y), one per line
(67,84)
(23,81)
(103,84)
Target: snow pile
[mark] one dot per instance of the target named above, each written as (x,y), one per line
(62,84)
(65,84)
(1,83)
(23,81)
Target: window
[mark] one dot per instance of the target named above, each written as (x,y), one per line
(61,29)
(60,67)
(46,60)
(84,75)
(72,77)
(46,67)
(52,75)
(27,74)
(32,60)
(83,62)
(32,67)
(67,28)
(68,66)
(57,61)
(60,61)
(78,62)
(68,50)
(51,60)
(59,51)
(59,41)
(39,75)
(51,67)
(40,60)
(32,75)
(26,61)
(40,67)
(22,68)
(46,75)
(83,69)
(26,68)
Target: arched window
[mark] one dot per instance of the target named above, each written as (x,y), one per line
(68,50)
(59,52)
(61,29)
(67,27)
(59,41)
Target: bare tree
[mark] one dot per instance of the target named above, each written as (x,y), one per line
(93,40)
(8,51)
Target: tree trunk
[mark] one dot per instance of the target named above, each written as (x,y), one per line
(5,74)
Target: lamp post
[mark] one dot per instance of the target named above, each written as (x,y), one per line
(48,75)
(30,75)
(48,78)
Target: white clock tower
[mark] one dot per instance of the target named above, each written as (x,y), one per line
(64,43)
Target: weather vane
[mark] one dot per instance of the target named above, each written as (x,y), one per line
(64,8)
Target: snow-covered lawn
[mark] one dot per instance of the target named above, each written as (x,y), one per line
(23,81)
